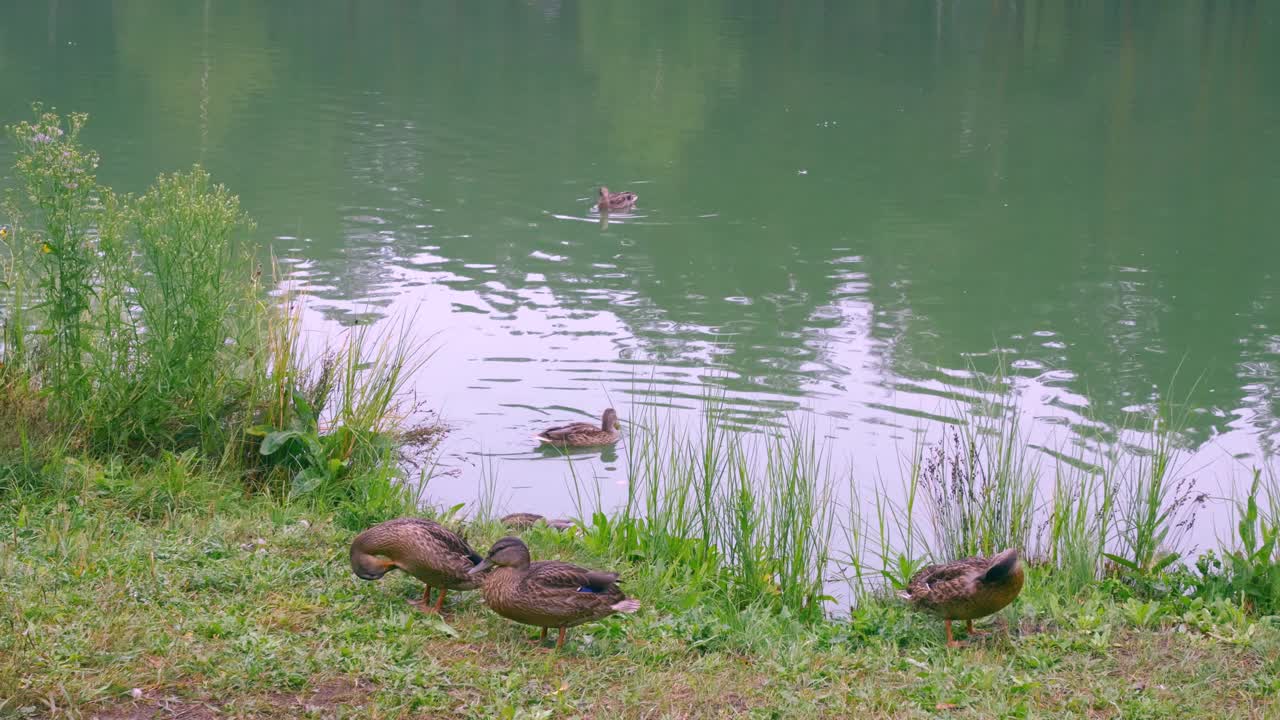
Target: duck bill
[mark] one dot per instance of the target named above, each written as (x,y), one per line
(484,565)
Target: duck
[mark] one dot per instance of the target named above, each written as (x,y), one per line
(547,594)
(616,201)
(526,520)
(966,589)
(425,549)
(582,434)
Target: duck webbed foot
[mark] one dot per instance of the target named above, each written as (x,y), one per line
(424,604)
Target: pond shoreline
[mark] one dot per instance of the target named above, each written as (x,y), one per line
(214,604)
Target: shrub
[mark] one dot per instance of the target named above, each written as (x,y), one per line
(136,326)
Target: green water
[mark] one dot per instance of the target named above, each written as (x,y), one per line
(846,208)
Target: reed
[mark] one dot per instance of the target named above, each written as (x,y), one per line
(747,522)
(1154,508)
(1081,518)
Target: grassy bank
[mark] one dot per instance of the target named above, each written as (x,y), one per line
(211,603)
(186,477)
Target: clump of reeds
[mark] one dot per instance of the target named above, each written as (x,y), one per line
(747,519)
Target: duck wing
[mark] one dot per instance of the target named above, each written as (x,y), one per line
(451,542)
(564,432)
(944,578)
(552,575)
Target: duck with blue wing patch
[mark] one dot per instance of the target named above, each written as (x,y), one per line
(547,594)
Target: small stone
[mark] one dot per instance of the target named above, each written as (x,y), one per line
(135,693)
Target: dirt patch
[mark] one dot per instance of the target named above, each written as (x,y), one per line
(332,693)
(321,698)
(168,709)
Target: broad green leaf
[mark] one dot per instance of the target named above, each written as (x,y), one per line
(306,481)
(276,440)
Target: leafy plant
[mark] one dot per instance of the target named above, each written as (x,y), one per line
(1250,573)
(58,184)
(332,427)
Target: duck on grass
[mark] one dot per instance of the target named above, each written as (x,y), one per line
(423,548)
(966,589)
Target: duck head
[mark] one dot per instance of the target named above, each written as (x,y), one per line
(507,552)
(370,567)
(610,420)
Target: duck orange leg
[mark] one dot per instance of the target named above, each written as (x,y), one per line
(560,642)
(543,636)
(971,632)
(951,641)
(440,599)
(425,603)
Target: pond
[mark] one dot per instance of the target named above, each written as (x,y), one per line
(849,211)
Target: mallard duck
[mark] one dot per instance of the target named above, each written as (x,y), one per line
(616,201)
(547,594)
(423,548)
(526,520)
(966,589)
(582,434)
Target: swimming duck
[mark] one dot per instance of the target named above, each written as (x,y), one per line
(526,520)
(423,548)
(966,589)
(547,594)
(582,434)
(616,201)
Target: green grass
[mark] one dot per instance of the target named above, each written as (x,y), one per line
(205,599)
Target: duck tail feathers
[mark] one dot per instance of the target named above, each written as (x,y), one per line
(626,606)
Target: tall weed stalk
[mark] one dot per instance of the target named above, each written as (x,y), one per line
(981,485)
(1155,509)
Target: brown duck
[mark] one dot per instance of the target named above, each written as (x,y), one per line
(966,589)
(423,548)
(616,201)
(526,520)
(582,434)
(547,594)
